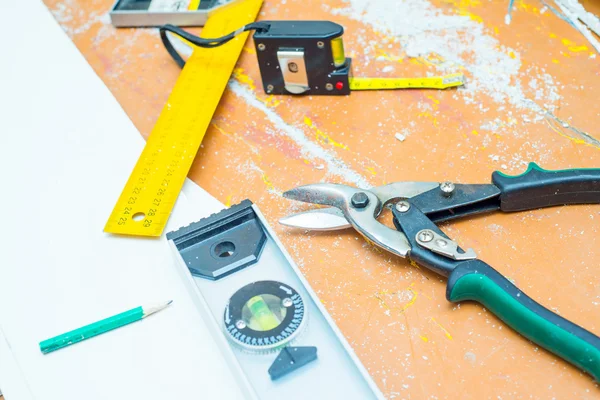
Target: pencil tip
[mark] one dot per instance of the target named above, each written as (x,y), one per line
(149,310)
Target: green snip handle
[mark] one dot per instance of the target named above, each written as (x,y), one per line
(537,188)
(475,280)
(91,330)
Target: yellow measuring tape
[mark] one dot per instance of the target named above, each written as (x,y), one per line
(152,189)
(434,82)
(194,5)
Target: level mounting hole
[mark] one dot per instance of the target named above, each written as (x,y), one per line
(224,249)
(137,217)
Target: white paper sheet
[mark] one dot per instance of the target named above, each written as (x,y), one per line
(66,150)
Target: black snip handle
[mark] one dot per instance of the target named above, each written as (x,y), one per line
(537,188)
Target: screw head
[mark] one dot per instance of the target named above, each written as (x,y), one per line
(287,302)
(360,200)
(329,86)
(261,46)
(240,324)
(270,88)
(293,67)
(320,44)
(425,236)
(447,188)
(403,206)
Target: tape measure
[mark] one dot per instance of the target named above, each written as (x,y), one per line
(306,57)
(145,204)
(297,57)
(194,5)
(434,82)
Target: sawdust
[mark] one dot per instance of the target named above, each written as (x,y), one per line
(68,11)
(574,12)
(462,43)
(310,149)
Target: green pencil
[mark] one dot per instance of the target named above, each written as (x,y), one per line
(97,328)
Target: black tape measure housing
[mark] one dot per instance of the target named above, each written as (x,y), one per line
(297,57)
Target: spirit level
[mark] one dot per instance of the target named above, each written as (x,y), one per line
(280,339)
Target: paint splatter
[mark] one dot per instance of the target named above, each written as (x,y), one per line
(573,15)
(239,74)
(470,357)
(446,333)
(406,298)
(321,136)
(310,149)
(457,42)
(508,16)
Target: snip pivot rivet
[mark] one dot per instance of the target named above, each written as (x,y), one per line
(270,88)
(403,206)
(261,46)
(329,86)
(320,45)
(359,200)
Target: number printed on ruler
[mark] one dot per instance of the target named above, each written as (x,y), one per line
(146,201)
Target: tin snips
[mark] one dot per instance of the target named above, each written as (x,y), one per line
(418,206)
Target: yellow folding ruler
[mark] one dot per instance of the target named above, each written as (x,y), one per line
(152,189)
(434,82)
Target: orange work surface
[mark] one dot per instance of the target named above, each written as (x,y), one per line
(531,95)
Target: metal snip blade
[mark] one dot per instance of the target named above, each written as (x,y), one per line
(326,219)
(321,219)
(363,219)
(326,194)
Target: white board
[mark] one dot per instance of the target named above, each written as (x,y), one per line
(66,150)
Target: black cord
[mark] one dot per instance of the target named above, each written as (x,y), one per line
(201,42)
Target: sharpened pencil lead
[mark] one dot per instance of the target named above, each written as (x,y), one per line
(151,309)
